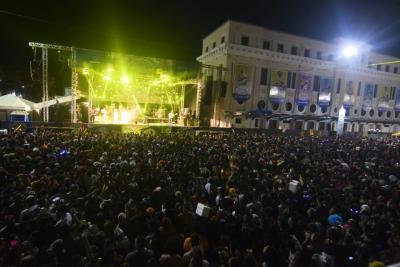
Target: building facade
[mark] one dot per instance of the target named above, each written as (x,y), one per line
(260,78)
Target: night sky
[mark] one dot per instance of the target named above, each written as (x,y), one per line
(174,29)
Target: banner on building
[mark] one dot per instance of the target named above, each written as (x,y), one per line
(397,100)
(277,91)
(383,100)
(368,97)
(348,99)
(325,91)
(303,90)
(242,83)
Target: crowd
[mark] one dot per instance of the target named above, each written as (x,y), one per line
(86,199)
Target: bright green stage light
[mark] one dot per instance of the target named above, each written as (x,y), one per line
(125,80)
(85,71)
(107,78)
(110,69)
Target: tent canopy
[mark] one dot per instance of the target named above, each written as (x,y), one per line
(13,102)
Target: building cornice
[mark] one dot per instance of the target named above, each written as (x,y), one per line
(262,54)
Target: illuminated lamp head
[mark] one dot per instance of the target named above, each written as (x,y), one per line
(350,51)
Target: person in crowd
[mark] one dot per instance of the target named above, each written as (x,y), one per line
(87,199)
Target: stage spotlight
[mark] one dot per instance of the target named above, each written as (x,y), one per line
(125,80)
(85,71)
(107,78)
(110,69)
(350,51)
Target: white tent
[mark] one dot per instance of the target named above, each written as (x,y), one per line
(13,102)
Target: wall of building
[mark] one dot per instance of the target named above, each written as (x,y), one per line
(254,53)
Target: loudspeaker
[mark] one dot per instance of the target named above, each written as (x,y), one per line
(223,88)
(208,91)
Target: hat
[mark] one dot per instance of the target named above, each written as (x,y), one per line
(335,219)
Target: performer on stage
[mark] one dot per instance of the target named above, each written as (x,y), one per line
(171,116)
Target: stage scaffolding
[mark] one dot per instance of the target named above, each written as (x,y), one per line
(85,63)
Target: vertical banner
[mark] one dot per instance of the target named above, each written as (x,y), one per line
(348,99)
(397,100)
(303,90)
(277,91)
(242,83)
(325,91)
(368,97)
(383,100)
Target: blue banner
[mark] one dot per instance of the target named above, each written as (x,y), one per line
(325,91)
(348,99)
(383,101)
(242,83)
(397,100)
(277,91)
(368,97)
(303,90)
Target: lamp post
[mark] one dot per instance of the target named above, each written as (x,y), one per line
(348,53)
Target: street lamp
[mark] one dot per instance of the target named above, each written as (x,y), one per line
(350,51)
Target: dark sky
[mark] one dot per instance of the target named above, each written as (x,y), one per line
(174,29)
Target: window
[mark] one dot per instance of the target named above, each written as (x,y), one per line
(275,106)
(264,76)
(280,48)
(319,55)
(392,92)
(380,113)
(387,68)
(222,39)
(214,44)
(306,52)
(265,45)
(206,49)
(388,114)
(317,80)
(359,89)
(288,106)
(238,120)
(313,108)
(378,67)
(371,113)
(289,79)
(395,70)
(293,80)
(338,86)
(300,108)
(335,110)
(324,109)
(363,112)
(245,40)
(375,90)
(330,57)
(293,51)
(355,111)
(347,112)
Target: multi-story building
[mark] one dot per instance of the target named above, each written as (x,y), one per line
(275,80)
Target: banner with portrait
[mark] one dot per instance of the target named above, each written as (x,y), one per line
(368,97)
(325,91)
(242,83)
(397,100)
(277,91)
(304,89)
(383,98)
(348,99)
